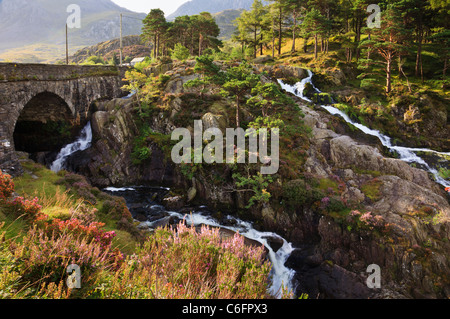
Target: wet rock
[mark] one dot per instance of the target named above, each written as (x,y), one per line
(274,242)
(174,203)
(165,222)
(191,194)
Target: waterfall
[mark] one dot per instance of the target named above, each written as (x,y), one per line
(406,154)
(82,143)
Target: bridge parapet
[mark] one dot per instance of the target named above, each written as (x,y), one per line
(12,72)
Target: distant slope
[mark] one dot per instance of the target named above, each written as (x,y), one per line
(213,6)
(225,20)
(132,47)
(35,23)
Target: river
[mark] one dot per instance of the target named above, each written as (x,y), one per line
(406,154)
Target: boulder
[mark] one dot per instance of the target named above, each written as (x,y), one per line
(346,153)
(263,59)
(191,194)
(214,121)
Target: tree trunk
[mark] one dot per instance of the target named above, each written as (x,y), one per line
(261,44)
(305,45)
(155,42)
(293,32)
(358,36)
(444,72)
(238,122)
(255,44)
(157,48)
(419,44)
(200,44)
(273,38)
(280,34)
(273,47)
(316,44)
(389,75)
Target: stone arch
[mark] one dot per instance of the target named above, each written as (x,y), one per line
(45,123)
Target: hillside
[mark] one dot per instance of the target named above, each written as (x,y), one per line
(132,48)
(32,30)
(212,6)
(225,21)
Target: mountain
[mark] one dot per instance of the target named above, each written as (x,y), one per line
(212,6)
(40,24)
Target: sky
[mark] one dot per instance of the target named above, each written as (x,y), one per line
(168,6)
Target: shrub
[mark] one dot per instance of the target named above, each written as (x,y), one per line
(368,221)
(141,66)
(6,186)
(298,193)
(92,232)
(165,268)
(116,208)
(29,209)
(9,277)
(44,259)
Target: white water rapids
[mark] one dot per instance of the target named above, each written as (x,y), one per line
(281,275)
(406,154)
(82,143)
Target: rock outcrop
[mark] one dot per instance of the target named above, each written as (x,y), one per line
(401,222)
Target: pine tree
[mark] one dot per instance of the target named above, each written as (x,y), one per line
(251,25)
(155,26)
(385,44)
(314,25)
(297,7)
(240,80)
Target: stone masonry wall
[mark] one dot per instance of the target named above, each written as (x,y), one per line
(78,86)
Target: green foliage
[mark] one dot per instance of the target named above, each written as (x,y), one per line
(444,173)
(239,80)
(268,123)
(94,60)
(383,45)
(185,36)
(372,189)
(135,80)
(256,184)
(267,96)
(209,73)
(180,52)
(141,66)
(300,194)
(251,25)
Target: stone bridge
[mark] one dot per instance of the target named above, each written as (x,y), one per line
(43,107)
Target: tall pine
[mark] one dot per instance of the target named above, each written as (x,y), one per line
(384,45)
